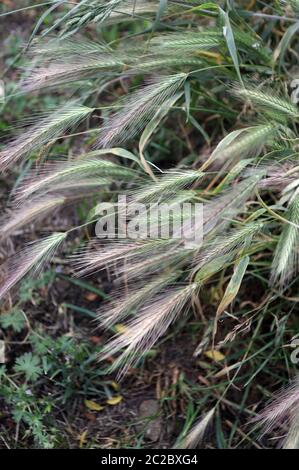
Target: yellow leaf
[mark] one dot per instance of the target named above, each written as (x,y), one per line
(212,55)
(115,385)
(114,400)
(82,439)
(92,405)
(215,355)
(120,328)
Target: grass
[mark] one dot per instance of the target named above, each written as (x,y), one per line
(192,128)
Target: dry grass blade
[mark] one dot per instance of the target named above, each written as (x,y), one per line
(151,321)
(244,142)
(29,212)
(167,185)
(283,412)
(292,439)
(70,61)
(139,108)
(50,176)
(32,258)
(186,42)
(49,128)
(96,256)
(196,435)
(224,244)
(285,261)
(121,306)
(225,207)
(269,101)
